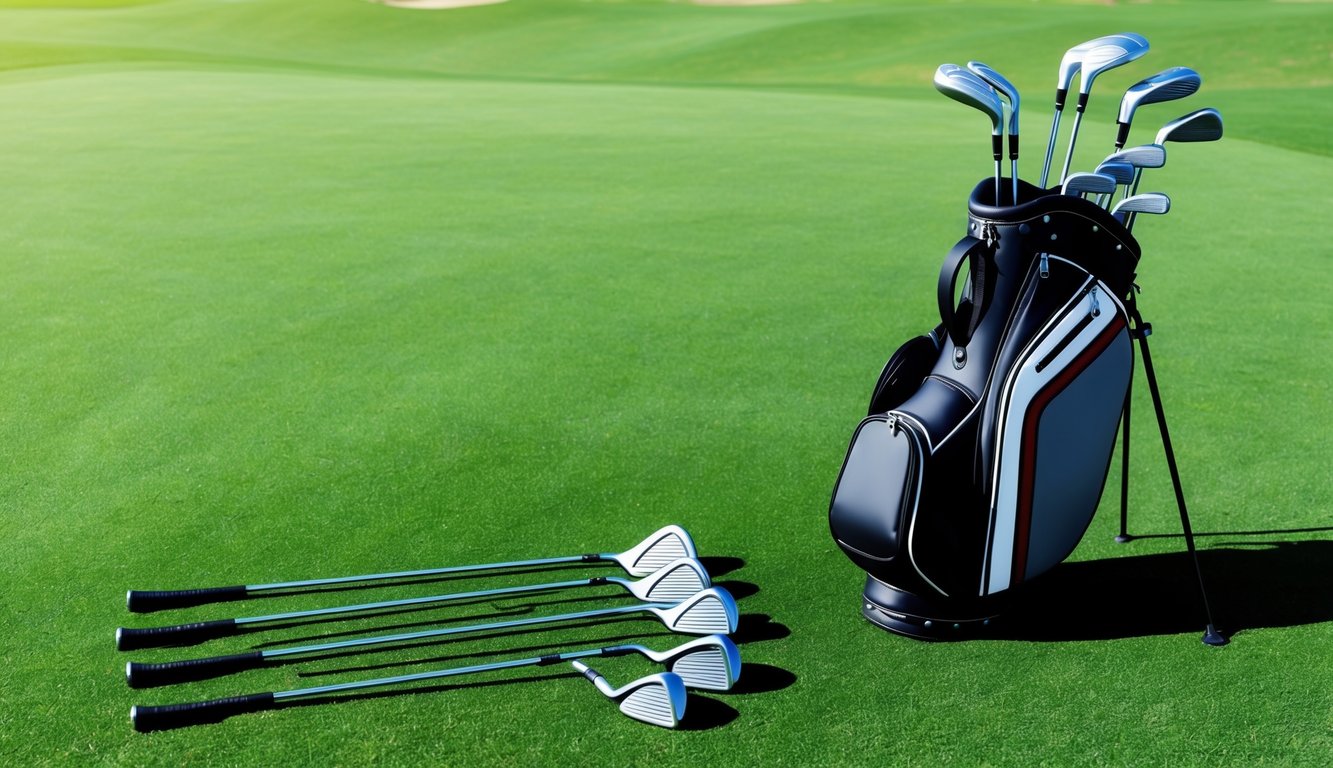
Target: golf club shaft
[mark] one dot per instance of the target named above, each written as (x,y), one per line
(142,675)
(1050,145)
(197,632)
(143,601)
(176,715)
(1073,137)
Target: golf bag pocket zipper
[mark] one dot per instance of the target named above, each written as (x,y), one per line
(877,490)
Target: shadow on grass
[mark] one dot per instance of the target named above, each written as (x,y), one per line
(1250,586)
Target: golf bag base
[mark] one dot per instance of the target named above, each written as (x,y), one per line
(904,613)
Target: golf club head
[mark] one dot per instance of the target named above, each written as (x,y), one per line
(1122,172)
(964,87)
(662,547)
(1072,61)
(710,612)
(1146,202)
(1201,125)
(656,699)
(671,583)
(710,663)
(1110,53)
(1003,87)
(1082,183)
(1142,156)
(1167,85)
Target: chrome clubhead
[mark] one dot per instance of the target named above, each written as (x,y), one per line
(1147,202)
(710,663)
(964,87)
(656,699)
(660,548)
(1080,184)
(671,583)
(1167,85)
(1142,156)
(1200,125)
(1109,53)
(710,612)
(1123,173)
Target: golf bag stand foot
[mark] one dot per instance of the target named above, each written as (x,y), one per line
(904,613)
(1141,331)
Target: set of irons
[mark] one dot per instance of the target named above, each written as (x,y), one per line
(674,587)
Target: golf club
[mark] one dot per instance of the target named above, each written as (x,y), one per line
(710,612)
(1070,64)
(177,715)
(656,699)
(964,87)
(1167,85)
(1200,125)
(1010,93)
(1096,60)
(1148,202)
(660,548)
(1080,184)
(1142,156)
(1123,173)
(670,583)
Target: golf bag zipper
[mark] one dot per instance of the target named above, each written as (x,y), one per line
(1044,267)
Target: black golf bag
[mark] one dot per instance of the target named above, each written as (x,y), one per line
(988,440)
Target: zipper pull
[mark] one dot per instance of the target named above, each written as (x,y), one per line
(1044,268)
(1092,298)
(991,234)
(892,424)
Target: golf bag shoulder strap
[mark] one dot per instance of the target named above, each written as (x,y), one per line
(962,321)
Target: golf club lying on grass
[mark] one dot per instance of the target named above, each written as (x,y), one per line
(710,612)
(660,702)
(663,546)
(709,663)
(671,583)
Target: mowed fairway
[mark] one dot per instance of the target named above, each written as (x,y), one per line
(304,288)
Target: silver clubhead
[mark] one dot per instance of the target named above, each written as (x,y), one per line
(671,583)
(964,87)
(710,663)
(1003,87)
(1201,125)
(1080,184)
(1123,173)
(1167,85)
(656,699)
(1142,156)
(1147,202)
(710,612)
(660,548)
(1110,53)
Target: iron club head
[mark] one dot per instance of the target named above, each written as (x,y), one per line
(672,582)
(1167,85)
(660,548)
(656,699)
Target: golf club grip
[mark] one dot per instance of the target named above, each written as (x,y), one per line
(147,601)
(196,713)
(179,634)
(171,672)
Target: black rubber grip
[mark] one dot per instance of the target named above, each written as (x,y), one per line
(149,601)
(591,558)
(1060,94)
(1121,135)
(1013,146)
(171,672)
(147,719)
(997,145)
(179,634)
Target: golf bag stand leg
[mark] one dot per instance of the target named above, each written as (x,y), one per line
(1123,537)
(1210,636)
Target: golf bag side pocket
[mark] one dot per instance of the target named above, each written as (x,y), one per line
(877,491)
(905,370)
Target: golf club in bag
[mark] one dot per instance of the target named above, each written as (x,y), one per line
(988,440)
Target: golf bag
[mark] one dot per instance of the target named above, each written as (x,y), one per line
(988,439)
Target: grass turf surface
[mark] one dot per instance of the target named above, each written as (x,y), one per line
(296,289)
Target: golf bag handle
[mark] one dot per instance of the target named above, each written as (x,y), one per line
(180,634)
(197,712)
(961,322)
(168,673)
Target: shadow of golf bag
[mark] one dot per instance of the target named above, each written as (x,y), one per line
(988,440)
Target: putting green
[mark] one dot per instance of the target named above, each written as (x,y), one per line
(300,289)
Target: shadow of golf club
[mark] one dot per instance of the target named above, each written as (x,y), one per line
(762,678)
(704,713)
(1250,586)
(721,566)
(738,589)
(758,628)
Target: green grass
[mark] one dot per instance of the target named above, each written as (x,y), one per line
(295,289)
